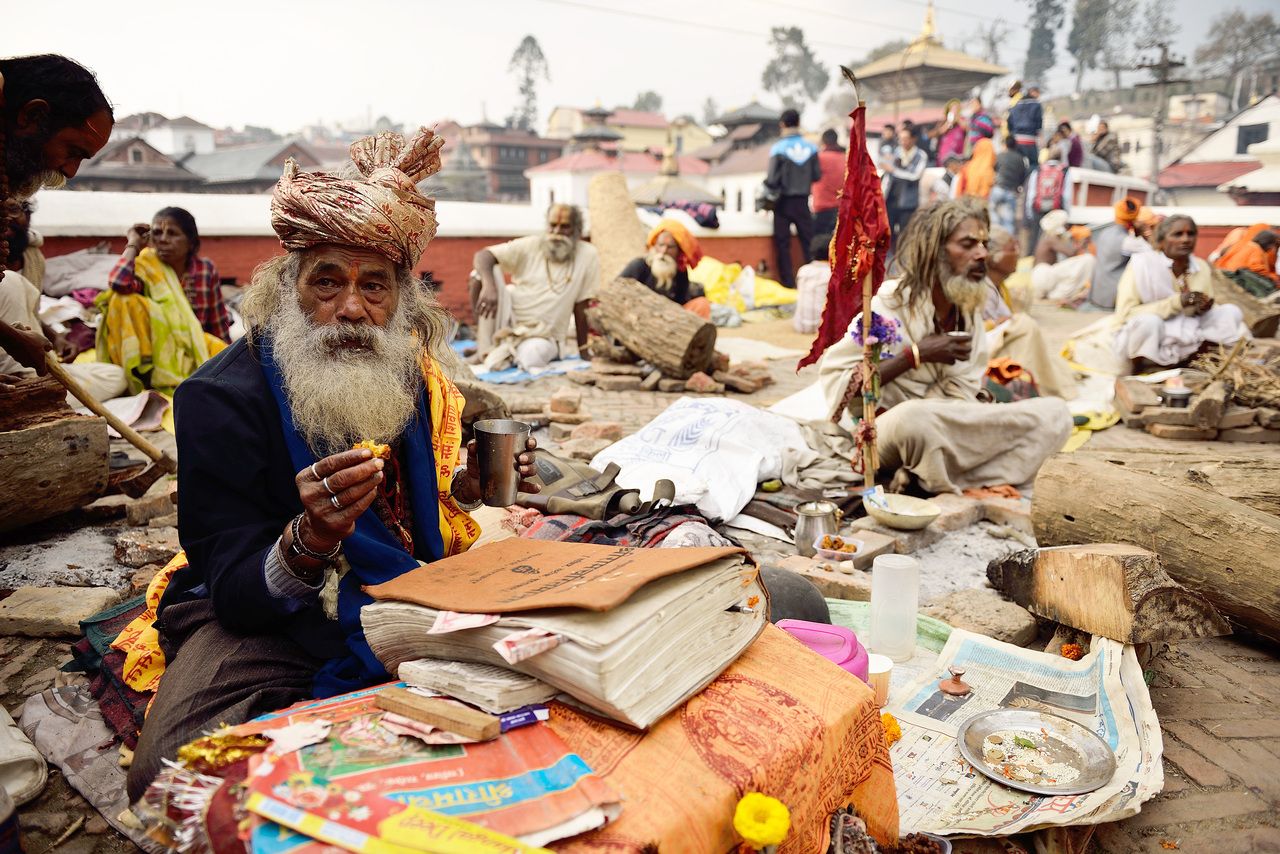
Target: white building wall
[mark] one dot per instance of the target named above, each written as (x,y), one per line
(738,190)
(178,140)
(1222,144)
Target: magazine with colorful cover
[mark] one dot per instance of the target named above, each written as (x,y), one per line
(364,781)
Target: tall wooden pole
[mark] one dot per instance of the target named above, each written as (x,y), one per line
(870,372)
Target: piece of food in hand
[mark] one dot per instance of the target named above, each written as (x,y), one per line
(382,451)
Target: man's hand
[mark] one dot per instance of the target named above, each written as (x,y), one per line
(334,493)
(8,382)
(945,349)
(138,235)
(468,489)
(487,302)
(25,346)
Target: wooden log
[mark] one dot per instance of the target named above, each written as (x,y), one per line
(441,714)
(1208,405)
(1262,318)
(1132,398)
(1224,550)
(1184,434)
(1240,474)
(35,400)
(1118,591)
(675,341)
(616,230)
(51,468)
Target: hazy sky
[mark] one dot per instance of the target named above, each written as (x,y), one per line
(287,63)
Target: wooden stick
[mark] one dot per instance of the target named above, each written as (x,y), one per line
(1235,351)
(165,461)
(441,714)
(870,459)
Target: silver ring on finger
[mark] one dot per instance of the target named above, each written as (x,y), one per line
(316,473)
(327,487)
(333,499)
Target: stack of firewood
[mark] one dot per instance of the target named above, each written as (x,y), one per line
(1214,412)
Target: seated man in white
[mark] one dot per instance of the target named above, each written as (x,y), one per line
(1165,311)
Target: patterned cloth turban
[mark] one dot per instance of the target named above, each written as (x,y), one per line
(381,209)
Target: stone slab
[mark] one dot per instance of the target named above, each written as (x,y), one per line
(579,417)
(609,382)
(986,612)
(831,580)
(144,509)
(560,432)
(583,449)
(1249,434)
(107,508)
(1174,431)
(47,612)
(610,430)
(565,400)
(1237,416)
(670,385)
(604,367)
(907,542)
(1011,512)
(957,511)
(137,548)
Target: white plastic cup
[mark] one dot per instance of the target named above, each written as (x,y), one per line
(879,670)
(895,599)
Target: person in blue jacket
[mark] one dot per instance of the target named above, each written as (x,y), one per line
(793,168)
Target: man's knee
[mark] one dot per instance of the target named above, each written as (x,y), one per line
(1145,324)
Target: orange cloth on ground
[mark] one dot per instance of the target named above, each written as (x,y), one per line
(782,721)
(1228,259)
(700,306)
(690,249)
(979,174)
(1253,257)
(1003,490)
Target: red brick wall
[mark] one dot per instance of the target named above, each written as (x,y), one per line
(449,258)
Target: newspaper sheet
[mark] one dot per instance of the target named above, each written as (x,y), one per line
(939,792)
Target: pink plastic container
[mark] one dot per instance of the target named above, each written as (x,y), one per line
(834,643)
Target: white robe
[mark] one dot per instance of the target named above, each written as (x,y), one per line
(1151,321)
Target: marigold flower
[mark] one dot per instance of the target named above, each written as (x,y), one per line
(1073,651)
(892,731)
(761,820)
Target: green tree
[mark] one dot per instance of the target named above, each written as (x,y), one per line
(1158,26)
(1237,40)
(794,74)
(710,112)
(1088,35)
(887,49)
(529,66)
(1046,20)
(1117,46)
(648,102)
(987,40)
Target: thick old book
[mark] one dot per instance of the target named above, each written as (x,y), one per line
(636,631)
(494,689)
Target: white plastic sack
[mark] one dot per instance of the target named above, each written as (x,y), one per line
(714,450)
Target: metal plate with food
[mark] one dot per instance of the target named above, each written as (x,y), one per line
(1036,752)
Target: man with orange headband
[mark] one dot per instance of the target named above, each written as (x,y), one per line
(673,251)
(1115,247)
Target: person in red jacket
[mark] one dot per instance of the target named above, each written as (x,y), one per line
(826,190)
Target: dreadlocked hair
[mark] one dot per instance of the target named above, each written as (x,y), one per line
(922,251)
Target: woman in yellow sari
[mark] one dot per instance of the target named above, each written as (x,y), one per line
(149,325)
(979,174)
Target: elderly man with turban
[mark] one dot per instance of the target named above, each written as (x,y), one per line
(1063,269)
(284,515)
(673,252)
(553,278)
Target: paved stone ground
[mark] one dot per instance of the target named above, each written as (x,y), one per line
(1215,699)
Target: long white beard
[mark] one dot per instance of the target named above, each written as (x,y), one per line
(664,269)
(339,396)
(558,248)
(965,293)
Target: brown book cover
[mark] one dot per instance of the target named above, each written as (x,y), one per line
(522,575)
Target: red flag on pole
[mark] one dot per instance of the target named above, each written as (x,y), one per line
(860,244)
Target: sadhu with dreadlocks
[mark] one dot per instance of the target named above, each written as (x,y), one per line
(935,427)
(53,117)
